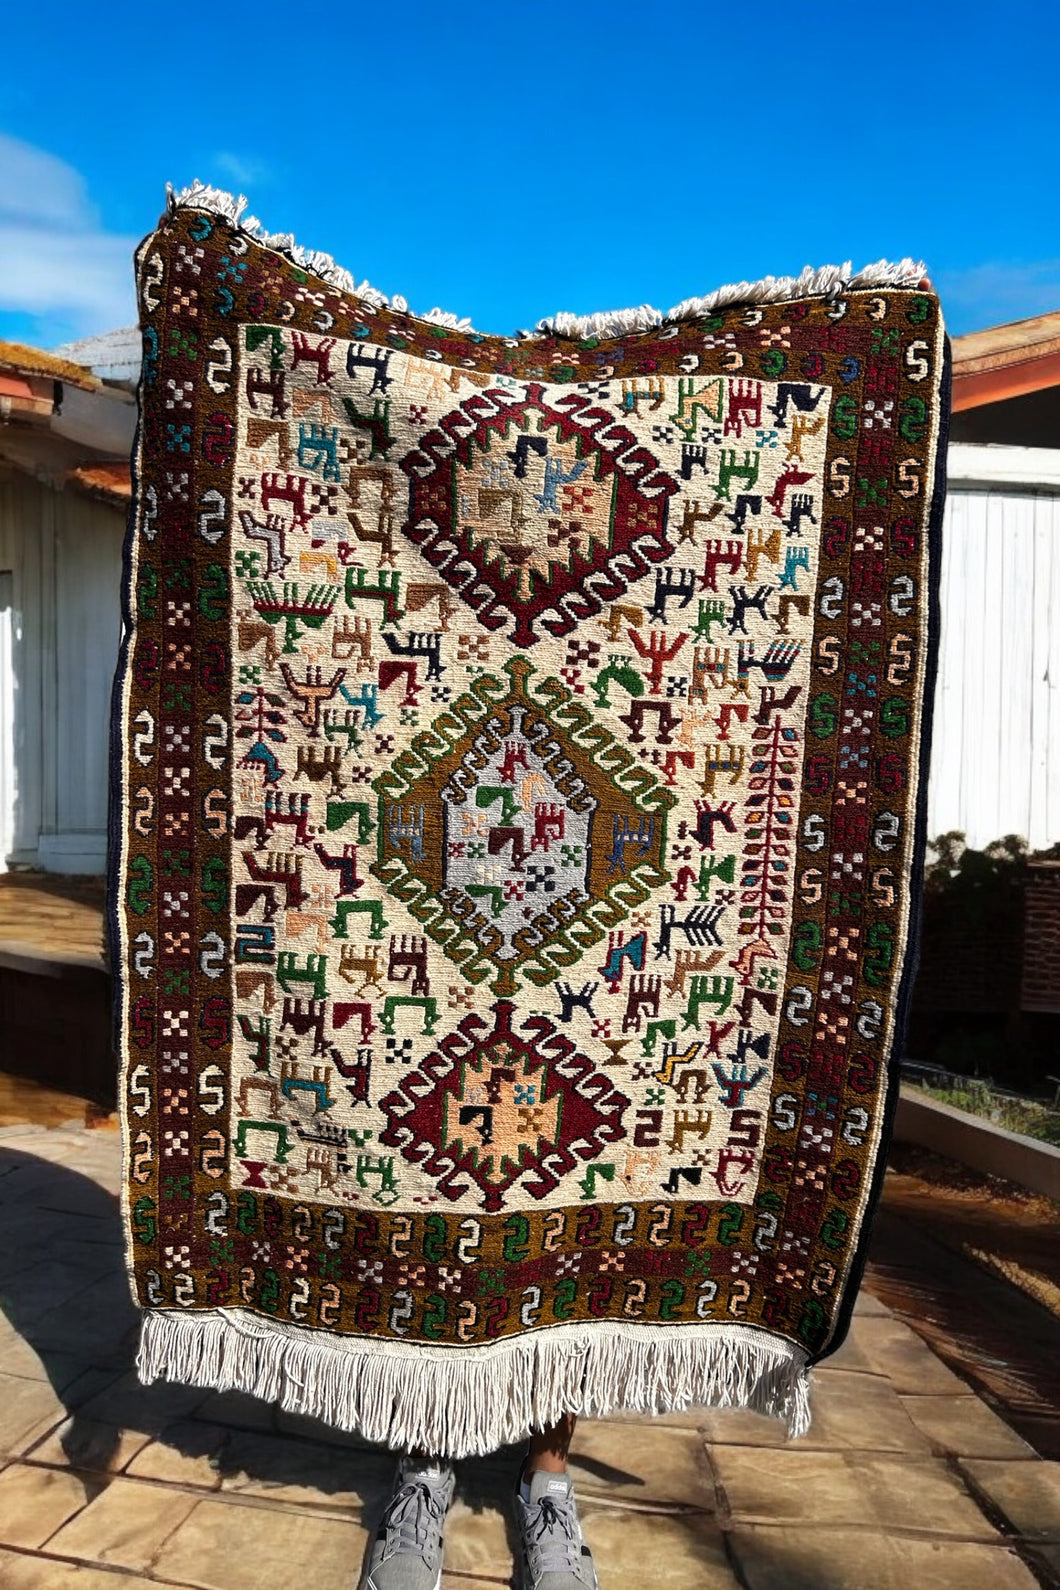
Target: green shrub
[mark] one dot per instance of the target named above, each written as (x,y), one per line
(1015,1115)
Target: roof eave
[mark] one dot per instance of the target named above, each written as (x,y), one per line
(993,382)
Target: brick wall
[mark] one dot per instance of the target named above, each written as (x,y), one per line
(971,959)
(1041,953)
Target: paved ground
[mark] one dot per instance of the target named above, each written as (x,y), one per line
(906,1477)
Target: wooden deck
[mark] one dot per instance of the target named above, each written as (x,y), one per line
(49,918)
(55,989)
(27,1103)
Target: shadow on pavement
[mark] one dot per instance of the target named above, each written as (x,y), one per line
(64,1292)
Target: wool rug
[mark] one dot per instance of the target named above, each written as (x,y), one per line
(517,823)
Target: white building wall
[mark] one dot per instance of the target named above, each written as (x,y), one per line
(995,766)
(64,551)
(87,633)
(995,761)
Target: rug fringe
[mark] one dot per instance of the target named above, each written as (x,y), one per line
(464,1401)
(826,280)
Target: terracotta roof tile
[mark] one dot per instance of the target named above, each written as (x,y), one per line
(1013,342)
(34,361)
(1006,361)
(110,482)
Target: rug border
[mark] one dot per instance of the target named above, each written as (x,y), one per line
(117,811)
(904,996)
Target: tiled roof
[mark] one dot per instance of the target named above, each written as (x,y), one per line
(1006,361)
(34,361)
(111,482)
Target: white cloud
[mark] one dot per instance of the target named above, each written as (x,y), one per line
(57,261)
(998,291)
(243,171)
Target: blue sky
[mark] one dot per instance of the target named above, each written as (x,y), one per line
(509,160)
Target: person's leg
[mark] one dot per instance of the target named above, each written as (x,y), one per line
(549,1447)
(553,1549)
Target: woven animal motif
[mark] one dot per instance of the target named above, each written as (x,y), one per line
(520,760)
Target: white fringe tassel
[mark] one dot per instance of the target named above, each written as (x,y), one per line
(827,280)
(459,1401)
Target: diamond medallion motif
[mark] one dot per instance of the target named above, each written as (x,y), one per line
(525,841)
(537,513)
(492,1108)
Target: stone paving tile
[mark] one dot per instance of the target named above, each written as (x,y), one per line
(19,1572)
(24,1255)
(17,1356)
(23,1353)
(836,1489)
(128,1402)
(35,1501)
(28,1410)
(964,1426)
(895,1349)
(46,1286)
(97,1257)
(452,1581)
(810,1559)
(125,1525)
(92,1444)
(185,1453)
(223,1545)
(635,1550)
(686,1551)
(1027,1493)
(681,1419)
(849,1412)
(22,1194)
(276,1468)
(98,1229)
(34,1162)
(94,1319)
(659,1467)
(25,1363)
(855,1352)
(36,1139)
(478,1539)
(236,1408)
(867,1303)
(82,1180)
(78,1382)
(301,1424)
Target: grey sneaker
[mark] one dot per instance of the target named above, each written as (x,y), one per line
(407,1551)
(553,1554)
